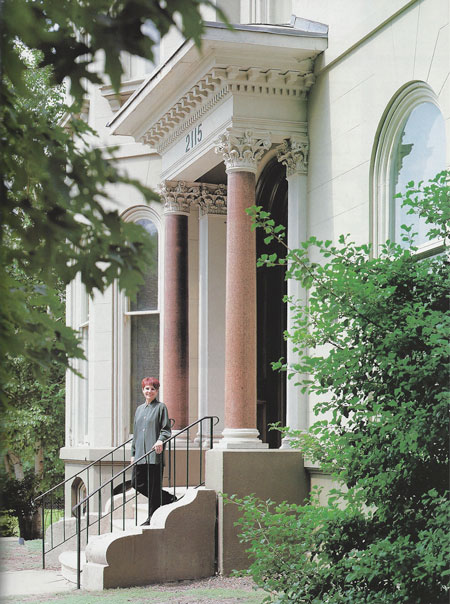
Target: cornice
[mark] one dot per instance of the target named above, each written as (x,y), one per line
(180,196)
(117,100)
(220,83)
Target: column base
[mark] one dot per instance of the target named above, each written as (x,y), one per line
(206,441)
(286,443)
(240,438)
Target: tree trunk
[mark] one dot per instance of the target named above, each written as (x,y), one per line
(39,459)
(36,519)
(12,460)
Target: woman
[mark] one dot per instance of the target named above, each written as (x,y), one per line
(151,430)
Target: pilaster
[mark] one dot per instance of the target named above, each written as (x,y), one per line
(212,204)
(293,153)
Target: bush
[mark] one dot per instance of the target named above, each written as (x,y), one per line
(373,345)
(9,526)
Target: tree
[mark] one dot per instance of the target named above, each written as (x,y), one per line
(31,435)
(54,222)
(373,343)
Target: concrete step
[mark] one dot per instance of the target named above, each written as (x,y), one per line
(68,562)
(178,544)
(130,505)
(68,559)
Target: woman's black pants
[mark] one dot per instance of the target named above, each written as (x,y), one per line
(147,481)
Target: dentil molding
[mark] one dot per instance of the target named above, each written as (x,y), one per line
(220,83)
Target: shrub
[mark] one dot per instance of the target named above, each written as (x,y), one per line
(373,352)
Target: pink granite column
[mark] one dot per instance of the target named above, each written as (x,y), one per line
(240,310)
(175,378)
(241,151)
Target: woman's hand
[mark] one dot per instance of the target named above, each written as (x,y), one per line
(158,446)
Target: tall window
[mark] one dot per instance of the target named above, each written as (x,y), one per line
(411,147)
(143,314)
(418,155)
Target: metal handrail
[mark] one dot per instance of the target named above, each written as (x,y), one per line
(41,499)
(77,509)
(63,482)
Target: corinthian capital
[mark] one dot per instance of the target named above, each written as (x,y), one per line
(213,199)
(293,153)
(178,196)
(242,149)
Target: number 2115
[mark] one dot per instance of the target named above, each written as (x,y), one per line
(193,137)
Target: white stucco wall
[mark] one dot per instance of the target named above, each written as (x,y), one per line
(352,93)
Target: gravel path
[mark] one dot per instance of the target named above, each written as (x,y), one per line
(213,590)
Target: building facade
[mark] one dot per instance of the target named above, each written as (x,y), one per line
(318,111)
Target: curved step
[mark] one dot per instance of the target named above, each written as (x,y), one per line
(68,562)
(178,544)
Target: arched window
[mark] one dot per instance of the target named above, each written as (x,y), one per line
(144,324)
(411,147)
(137,330)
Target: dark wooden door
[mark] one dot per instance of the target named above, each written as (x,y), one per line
(271,194)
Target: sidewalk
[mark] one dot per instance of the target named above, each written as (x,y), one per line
(21,572)
(33,582)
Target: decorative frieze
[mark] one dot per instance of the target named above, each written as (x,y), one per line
(242,149)
(180,196)
(220,83)
(293,153)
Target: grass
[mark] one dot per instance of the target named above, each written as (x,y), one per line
(52,516)
(9,526)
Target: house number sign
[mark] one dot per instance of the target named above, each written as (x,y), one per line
(193,137)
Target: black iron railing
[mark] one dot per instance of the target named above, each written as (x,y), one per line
(119,485)
(53,500)
(53,505)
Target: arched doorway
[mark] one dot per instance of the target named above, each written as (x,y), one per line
(78,492)
(272,195)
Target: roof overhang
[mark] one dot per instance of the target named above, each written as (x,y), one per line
(278,58)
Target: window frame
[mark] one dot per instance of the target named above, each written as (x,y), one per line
(400,108)
(77,387)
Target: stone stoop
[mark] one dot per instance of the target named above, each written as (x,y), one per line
(178,544)
(64,551)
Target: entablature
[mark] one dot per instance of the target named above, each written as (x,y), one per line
(255,76)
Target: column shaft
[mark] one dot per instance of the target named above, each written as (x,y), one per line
(176,340)
(240,318)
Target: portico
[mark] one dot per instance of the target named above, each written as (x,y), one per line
(231,108)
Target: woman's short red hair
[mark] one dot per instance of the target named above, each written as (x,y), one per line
(150,381)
